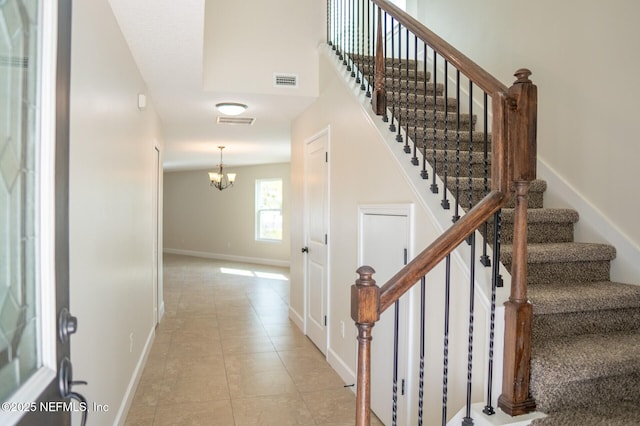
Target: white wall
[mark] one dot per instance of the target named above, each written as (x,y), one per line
(583,56)
(111,188)
(202,221)
(363,171)
(242,49)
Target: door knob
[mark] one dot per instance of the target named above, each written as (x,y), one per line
(305,249)
(67,325)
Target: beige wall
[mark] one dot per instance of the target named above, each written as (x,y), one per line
(583,56)
(363,171)
(203,221)
(111,187)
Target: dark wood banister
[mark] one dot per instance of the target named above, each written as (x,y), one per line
(477,74)
(513,161)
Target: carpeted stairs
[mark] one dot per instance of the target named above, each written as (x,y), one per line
(585,367)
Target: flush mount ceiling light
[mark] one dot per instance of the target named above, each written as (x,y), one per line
(231,108)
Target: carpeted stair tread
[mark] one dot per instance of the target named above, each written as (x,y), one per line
(562,252)
(580,297)
(623,413)
(543,215)
(567,370)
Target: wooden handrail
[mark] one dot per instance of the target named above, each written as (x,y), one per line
(469,68)
(424,262)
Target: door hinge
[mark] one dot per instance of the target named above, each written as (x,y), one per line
(402,388)
(325,320)
(326,157)
(406,256)
(325,239)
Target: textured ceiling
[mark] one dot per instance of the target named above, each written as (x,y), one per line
(195,53)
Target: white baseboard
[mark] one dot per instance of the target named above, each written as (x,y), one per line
(341,367)
(121,417)
(228,257)
(161,311)
(593,225)
(297,319)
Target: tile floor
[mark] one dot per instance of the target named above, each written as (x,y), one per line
(226,353)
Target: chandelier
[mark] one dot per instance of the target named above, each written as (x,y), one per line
(219,179)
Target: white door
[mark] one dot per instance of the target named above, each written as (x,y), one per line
(385,246)
(316,222)
(35,370)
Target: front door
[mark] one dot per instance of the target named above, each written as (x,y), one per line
(316,224)
(34,278)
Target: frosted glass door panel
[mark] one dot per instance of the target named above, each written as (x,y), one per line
(19,351)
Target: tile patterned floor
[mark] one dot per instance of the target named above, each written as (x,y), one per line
(226,353)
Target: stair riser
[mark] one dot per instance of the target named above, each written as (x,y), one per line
(419,102)
(389,71)
(581,394)
(538,232)
(566,272)
(410,86)
(535,198)
(566,324)
(477,137)
(451,126)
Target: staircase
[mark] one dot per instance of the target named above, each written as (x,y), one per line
(585,366)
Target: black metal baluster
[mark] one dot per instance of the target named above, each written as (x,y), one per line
(329,28)
(445,202)
(484,259)
(497,229)
(345,27)
(488,409)
(467,420)
(365,50)
(339,29)
(456,214)
(445,369)
(414,159)
(392,126)
(400,94)
(470,196)
(423,296)
(385,117)
(407,149)
(370,55)
(434,185)
(350,64)
(396,321)
(359,40)
(424,173)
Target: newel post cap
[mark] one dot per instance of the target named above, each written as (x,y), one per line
(365,297)
(522,76)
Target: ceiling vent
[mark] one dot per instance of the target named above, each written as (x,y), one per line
(246,121)
(286,80)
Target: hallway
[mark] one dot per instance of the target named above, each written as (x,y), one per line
(227,354)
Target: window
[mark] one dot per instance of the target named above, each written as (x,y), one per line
(269,209)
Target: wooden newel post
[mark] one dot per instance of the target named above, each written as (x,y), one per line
(379,99)
(365,303)
(515,398)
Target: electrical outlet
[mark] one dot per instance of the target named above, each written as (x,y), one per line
(342,329)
